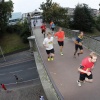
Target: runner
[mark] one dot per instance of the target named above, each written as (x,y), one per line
(43,29)
(78,44)
(85,68)
(48,44)
(3,86)
(53,27)
(34,23)
(51,24)
(60,36)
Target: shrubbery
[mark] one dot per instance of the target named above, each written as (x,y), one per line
(20,28)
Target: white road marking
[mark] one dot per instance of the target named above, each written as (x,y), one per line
(3,74)
(17,71)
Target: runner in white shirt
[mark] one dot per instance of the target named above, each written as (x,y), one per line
(48,44)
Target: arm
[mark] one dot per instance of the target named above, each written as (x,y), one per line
(76,42)
(83,71)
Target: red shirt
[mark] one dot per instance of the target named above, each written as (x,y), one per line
(60,35)
(3,86)
(43,27)
(87,66)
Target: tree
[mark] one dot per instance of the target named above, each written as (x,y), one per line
(5,13)
(46,7)
(97,23)
(83,19)
(53,11)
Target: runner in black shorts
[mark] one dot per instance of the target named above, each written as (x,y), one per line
(78,44)
(60,35)
(48,44)
(86,67)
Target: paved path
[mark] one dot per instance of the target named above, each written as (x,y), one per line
(64,72)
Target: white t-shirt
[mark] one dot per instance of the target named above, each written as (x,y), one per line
(48,43)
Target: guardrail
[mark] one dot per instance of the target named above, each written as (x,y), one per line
(88,41)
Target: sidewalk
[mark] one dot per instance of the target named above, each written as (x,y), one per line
(64,72)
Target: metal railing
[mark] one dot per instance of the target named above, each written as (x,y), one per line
(88,41)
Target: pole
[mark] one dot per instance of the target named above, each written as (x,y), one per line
(2,54)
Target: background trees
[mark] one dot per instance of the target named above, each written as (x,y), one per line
(83,19)
(5,13)
(54,12)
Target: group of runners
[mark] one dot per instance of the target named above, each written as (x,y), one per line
(87,63)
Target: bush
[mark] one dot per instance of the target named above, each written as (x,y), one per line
(20,28)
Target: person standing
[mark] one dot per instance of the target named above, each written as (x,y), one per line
(78,44)
(16,77)
(48,44)
(43,29)
(3,87)
(60,37)
(86,67)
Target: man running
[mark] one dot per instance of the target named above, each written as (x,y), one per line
(60,37)
(85,68)
(78,44)
(48,44)
(43,29)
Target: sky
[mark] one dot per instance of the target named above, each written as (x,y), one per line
(25,6)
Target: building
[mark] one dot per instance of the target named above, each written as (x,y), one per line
(70,11)
(15,17)
(95,12)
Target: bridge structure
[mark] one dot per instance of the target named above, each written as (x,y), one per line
(63,70)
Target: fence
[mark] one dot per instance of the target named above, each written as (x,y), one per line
(88,41)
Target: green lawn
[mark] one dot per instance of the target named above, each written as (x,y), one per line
(11,43)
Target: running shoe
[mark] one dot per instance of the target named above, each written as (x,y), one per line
(61,53)
(79,83)
(48,59)
(52,58)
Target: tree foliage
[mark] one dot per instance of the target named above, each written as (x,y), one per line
(5,13)
(83,19)
(97,23)
(54,12)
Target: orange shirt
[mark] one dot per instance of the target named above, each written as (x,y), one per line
(60,35)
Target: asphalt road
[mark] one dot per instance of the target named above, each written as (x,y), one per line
(21,64)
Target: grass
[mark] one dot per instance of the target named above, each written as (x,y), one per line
(11,43)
